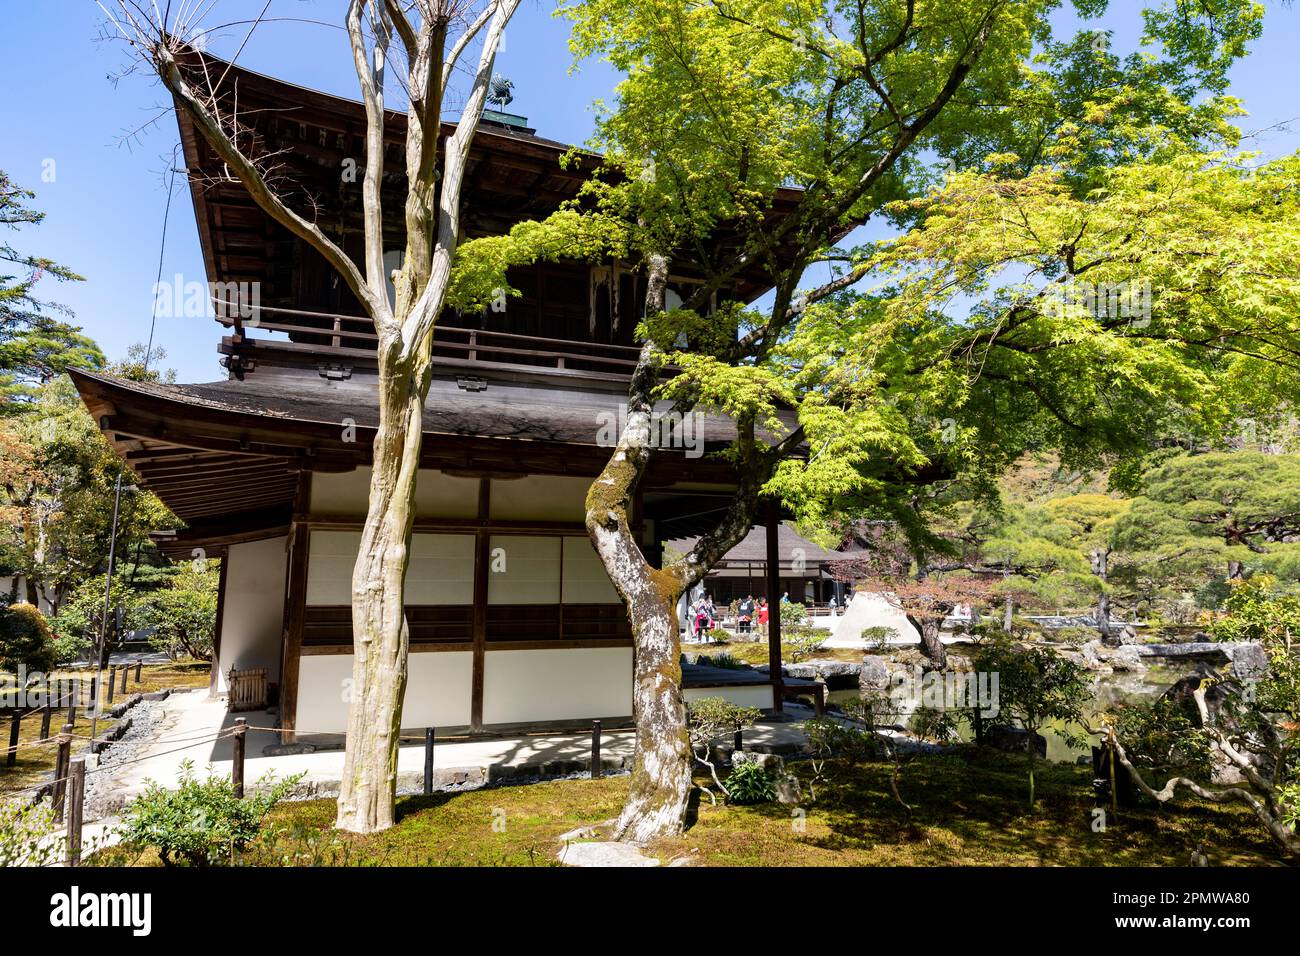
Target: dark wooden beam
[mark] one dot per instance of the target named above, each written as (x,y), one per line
(295,605)
(773,519)
(482,545)
(216,634)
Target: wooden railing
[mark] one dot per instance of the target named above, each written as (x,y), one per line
(328,335)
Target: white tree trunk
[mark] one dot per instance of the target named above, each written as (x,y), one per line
(379,629)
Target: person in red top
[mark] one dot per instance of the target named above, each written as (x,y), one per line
(762,612)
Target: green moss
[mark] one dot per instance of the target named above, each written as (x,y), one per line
(968,810)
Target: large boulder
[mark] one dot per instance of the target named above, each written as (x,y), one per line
(1093,656)
(1126,657)
(873,675)
(1250,662)
(788,791)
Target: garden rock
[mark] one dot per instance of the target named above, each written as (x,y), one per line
(788,790)
(1249,662)
(873,674)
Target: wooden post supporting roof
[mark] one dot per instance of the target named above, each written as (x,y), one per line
(773,520)
(482,544)
(214,678)
(295,606)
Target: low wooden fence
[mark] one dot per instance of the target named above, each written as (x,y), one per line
(69,701)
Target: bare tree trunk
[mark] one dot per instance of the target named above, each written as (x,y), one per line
(379,628)
(661,774)
(404,325)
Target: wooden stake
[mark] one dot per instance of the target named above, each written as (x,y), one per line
(15,724)
(112,683)
(428,761)
(237,767)
(139,665)
(47,712)
(76,806)
(126,672)
(61,771)
(595,750)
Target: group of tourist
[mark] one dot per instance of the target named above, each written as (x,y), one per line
(703,615)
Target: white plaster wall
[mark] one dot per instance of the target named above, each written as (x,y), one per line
(557,684)
(523,569)
(585,578)
(539,498)
(759,695)
(440,571)
(437,495)
(7,584)
(437,691)
(252,620)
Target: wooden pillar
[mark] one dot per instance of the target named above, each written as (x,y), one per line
(216,631)
(295,605)
(773,523)
(482,546)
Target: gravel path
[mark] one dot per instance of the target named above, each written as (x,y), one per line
(104,794)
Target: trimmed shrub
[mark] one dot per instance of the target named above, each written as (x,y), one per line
(25,639)
(202,822)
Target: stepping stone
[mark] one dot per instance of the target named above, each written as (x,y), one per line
(604,854)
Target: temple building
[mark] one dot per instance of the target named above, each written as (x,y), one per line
(803,569)
(513,621)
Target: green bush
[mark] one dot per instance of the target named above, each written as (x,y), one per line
(202,822)
(718,635)
(802,642)
(25,831)
(931,723)
(793,614)
(748,783)
(25,639)
(878,636)
(1162,737)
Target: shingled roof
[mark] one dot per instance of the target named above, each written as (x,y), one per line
(752,549)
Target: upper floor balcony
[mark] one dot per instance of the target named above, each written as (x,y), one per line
(338,345)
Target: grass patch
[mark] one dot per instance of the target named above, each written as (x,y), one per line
(968,810)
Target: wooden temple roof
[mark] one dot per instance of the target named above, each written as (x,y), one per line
(752,549)
(226,455)
(309,138)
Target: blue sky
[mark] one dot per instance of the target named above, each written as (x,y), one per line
(105,202)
